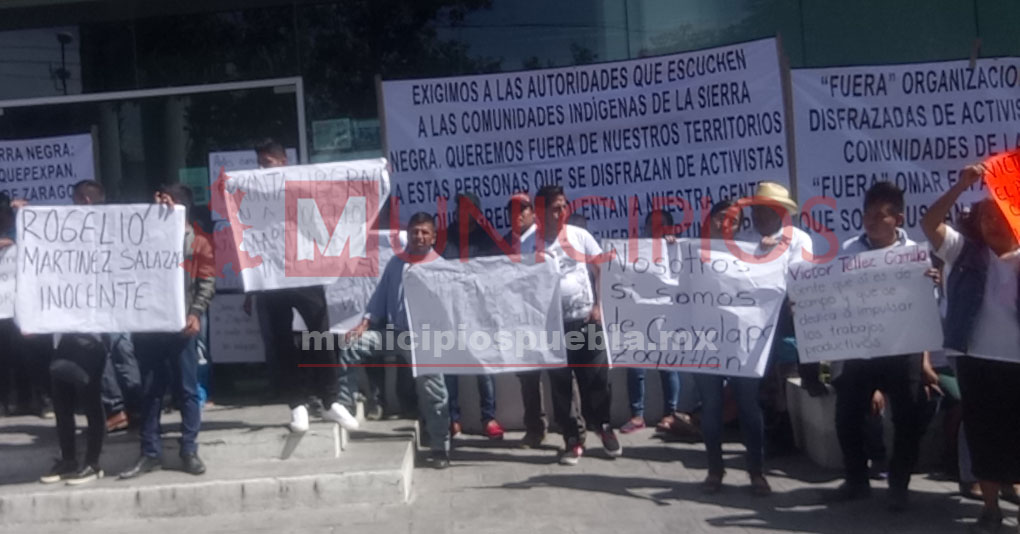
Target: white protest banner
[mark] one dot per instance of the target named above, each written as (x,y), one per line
(234,336)
(347,298)
(484,316)
(44,170)
(93,269)
(237,160)
(916,125)
(876,303)
(8,280)
(694,306)
(691,126)
(306,225)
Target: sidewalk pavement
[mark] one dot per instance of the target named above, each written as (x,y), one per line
(654,487)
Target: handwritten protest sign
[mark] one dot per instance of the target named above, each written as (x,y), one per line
(234,336)
(347,298)
(916,125)
(489,315)
(237,160)
(696,125)
(8,280)
(306,225)
(1002,176)
(876,303)
(92,269)
(695,306)
(44,170)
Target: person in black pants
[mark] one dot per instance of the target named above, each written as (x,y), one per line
(77,375)
(582,313)
(310,302)
(906,380)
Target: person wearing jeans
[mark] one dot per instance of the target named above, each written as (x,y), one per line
(161,357)
(486,404)
(387,308)
(636,396)
(745,389)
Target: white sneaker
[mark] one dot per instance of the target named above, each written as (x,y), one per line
(341,416)
(299,419)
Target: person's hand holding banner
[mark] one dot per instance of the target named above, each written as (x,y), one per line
(1002,176)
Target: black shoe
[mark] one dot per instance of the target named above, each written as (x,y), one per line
(898,501)
(192,464)
(609,442)
(85,475)
(989,522)
(62,470)
(145,464)
(851,492)
(438,460)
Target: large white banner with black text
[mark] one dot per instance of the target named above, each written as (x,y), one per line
(916,125)
(691,126)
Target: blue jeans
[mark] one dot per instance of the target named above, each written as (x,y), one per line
(433,400)
(163,360)
(710,387)
(486,397)
(636,390)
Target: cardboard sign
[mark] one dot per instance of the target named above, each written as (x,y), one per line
(694,306)
(1002,176)
(44,170)
(306,225)
(868,305)
(484,316)
(94,269)
(234,336)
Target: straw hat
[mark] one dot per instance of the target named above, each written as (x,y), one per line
(777,193)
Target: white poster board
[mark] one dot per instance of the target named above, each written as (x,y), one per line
(696,306)
(234,336)
(347,298)
(237,160)
(916,125)
(485,316)
(94,269)
(306,225)
(691,126)
(8,280)
(44,170)
(872,304)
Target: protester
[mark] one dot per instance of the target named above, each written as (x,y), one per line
(277,306)
(773,216)
(387,309)
(672,419)
(724,220)
(471,242)
(77,375)
(575,252)
(162,357)
(982,329)
(905,380)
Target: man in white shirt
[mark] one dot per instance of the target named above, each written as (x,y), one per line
(575,251)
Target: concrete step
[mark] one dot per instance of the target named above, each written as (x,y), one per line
(374,473)
(246,472)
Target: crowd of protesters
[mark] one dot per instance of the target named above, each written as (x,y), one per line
(117,378)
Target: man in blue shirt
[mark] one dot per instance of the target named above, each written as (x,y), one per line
(387,309)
